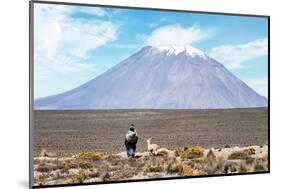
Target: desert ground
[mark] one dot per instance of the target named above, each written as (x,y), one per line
(88,146)
(70,132)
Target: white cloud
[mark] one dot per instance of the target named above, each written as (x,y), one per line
(177,35)
(92,11)
(126,46)
(260,85)
(66,10)
(81,36)
(62,45)
(235,56)
(64,42)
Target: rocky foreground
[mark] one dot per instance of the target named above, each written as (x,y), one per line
(92,166)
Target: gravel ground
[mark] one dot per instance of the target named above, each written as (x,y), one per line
(66,132)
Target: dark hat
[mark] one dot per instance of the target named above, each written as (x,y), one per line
(132,127)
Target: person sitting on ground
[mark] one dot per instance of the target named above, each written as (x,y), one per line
(131,140)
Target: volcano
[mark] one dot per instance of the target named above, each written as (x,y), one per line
(160,77)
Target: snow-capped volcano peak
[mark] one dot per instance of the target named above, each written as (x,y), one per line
(165,77)
(188,49)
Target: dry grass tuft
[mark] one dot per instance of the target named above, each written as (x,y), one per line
(154,165)
(186,170)
(184,162)
(153,168)
(45,153)
(230,167)
(173,167)
(91,155)
(177,152)
(110,176)
(81,176)
(67,164)
(190,153)
(238,155)
(42,167)
(85,164)
(260,165)
(211,155)
(94,173)
(250,151)
(162,153)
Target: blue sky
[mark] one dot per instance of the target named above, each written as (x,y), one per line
(74,44)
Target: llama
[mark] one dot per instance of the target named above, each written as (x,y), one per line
(152,148)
